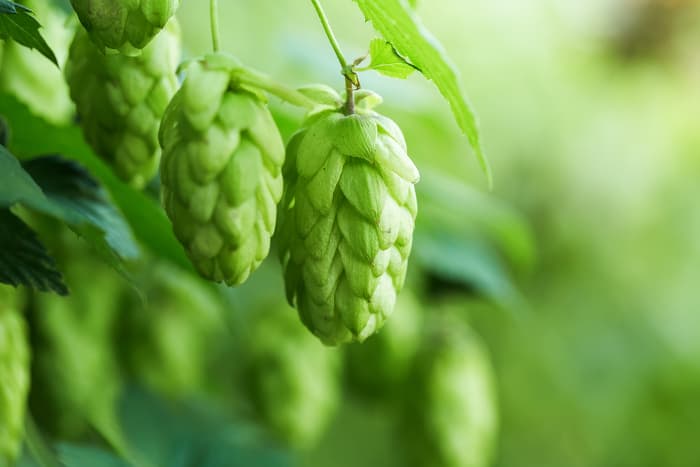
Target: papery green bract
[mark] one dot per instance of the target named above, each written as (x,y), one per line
(30,76)
(348,226)
(290,378)
(221,172)
(120,101)
(449,416)
(14,376)
(124,25)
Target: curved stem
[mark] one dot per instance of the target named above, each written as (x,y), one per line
(329,33)
(214,23)
(264,82)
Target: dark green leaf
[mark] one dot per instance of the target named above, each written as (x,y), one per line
(386,60)
(7,6)
(398,23)
(4,132)
(23,28)
(87,456)
(23,259)
(144,214)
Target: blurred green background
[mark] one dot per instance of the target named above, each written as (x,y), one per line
(579,271)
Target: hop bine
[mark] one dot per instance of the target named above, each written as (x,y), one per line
(221,172)
(124,25)
(120,101)
(348,220)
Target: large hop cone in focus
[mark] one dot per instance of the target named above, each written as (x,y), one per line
(124,25)
(449,415)
(14,377)
(221,172)
(121,100)
(290,378)
(348,222)
(33,78)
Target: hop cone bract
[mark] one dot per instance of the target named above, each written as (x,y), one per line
(120,101)
(30,76)
(449,415)
(14,377)
(289,376)
(348,226)
(221,172)
(124,25)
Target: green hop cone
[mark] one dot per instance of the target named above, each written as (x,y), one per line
(377,368)
(168,344)
(14,376)
(75,371)
(120,101)
(347,228)
(290,378)
(31,77)
(221,171)
(124,25)
(449,416)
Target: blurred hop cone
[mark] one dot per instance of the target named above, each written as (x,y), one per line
(449,415)
(291,379)
(14,376)
(377,368)
(347,228)
(121,100)
(126,26)
(221,171)
(31,77)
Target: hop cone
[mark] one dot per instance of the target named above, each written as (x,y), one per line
(221,172)
(124,25)
(449,414)
(289,376)
(30,76)
(378,367)
(120,101)
(74,367)
(14,377)
(348,226)
(168,344)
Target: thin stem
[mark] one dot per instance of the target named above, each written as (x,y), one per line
(329,33)
(214,22)
(264,82)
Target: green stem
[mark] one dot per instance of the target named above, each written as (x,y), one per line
(346,70)
(329,33)
(214,22)
(264,82)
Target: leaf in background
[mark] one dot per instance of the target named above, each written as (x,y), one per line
(144,214)
(399,24)
(4,132)
(72,455)
(387,61)
(17,186)
(7,6)
(23,259)
(161,433)
(84,204)
(23,28)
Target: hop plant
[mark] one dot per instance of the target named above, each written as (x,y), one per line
(120,101)
(378,367)
(289,376)
(75,369)
(221,172)
(124,25)
(449,414)
(168,344)
(14,376)
(347,230)
(30,76)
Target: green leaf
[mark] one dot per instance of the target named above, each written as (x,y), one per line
(17,186)
(72,455)
(387,61)
(23,28)
(144,214)
(6,6)
(4,132)
(23,259)
(398,23)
